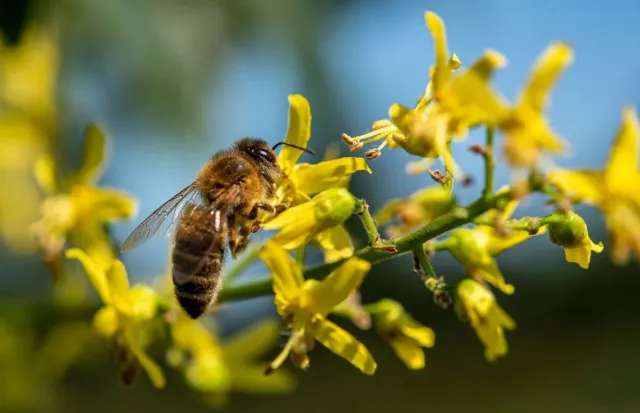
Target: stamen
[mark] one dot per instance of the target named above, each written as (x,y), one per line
(280,358)
(382,123)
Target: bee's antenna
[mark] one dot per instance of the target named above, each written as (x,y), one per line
(293,146)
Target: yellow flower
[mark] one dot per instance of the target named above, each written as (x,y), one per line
(406,336)
(215,368)
(420,208)
(304,180)
(305,305)
(527,132)
(475,248)
(569,231)
(450,106)
(476,305)
(125,317)
(320,220)
(79,210)
(21,144)
(29,74)
(615,190)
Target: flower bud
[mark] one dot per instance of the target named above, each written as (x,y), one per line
(568,230)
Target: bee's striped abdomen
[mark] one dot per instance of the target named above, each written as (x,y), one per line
(198,256)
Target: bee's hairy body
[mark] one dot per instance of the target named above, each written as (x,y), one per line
(235,185)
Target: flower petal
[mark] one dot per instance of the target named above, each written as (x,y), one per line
(345,345)
(584,185)
(119,288)
(297,226)
(491,272)
(151,367)
(97,278)
(45,174)
(498,244)
(300,224)
(580,255)
(622,166)
(338,285)
(472,91)
(94,155)
(106,321)
(408,351)
(298,131)
(442,73)
(316,178)
(423,335)
(287,277)
(111,205)
(336,243)
(548,67)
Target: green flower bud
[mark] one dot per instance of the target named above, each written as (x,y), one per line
(470,247)
(568,230)
(334,206)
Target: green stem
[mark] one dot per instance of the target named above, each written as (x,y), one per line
(368,223)
(244,261)
(403,245)
(488,164)
(530,224)
(423,261)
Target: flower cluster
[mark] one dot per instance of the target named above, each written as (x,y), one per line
(76,212)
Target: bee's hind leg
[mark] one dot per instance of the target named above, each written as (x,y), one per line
(238,240)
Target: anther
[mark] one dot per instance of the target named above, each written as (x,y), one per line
(372,154)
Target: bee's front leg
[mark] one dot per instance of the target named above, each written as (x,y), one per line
(268,208)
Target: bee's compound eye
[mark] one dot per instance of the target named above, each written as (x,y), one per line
(265,154)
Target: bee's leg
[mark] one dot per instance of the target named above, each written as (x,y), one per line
(280,208)
(275,210)
(239,242)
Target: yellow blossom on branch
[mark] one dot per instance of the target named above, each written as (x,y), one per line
(527,132)
(477,306)
(406,336)
(29,75)
(78,210)
(301,181)
(125,317)
(215,368)
(475,248)
(568,230)
(615,190)
(451,105)
(22,142)
(306,304)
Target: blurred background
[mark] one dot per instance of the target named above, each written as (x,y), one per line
(173,81)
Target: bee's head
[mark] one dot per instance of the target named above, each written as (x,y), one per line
(264,156)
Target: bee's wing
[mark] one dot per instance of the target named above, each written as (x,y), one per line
(152,224)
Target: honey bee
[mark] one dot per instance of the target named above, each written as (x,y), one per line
(219,208)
